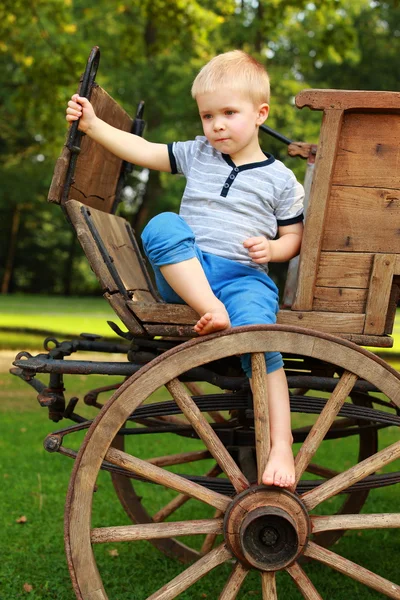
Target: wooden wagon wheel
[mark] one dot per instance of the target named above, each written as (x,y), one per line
(264,528)
(134,503)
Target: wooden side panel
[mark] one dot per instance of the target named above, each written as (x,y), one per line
(97,170)
(379,294)
(344,269)
(313,232)
(323,321)
(363,220)
(164,313)
(368,152)
(346,300)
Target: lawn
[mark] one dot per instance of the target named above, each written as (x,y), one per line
(26,320)
(34,487)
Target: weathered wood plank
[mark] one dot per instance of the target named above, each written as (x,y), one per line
(344,300)
(330,322)
(368,151)
(97,170)
(317,209)
(114,234)
(379,293)
(348,99)
(164,313)
(362,220)
(344,269)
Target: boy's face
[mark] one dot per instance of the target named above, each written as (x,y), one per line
(230,122)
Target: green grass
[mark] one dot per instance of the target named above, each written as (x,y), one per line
(21,317)
(34,485)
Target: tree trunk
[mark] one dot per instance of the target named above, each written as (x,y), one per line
(8,270)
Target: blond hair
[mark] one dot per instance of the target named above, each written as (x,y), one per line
(237,71)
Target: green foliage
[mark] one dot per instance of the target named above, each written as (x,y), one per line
(151,50)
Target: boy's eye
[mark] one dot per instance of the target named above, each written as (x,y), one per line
(229,112)
(208,116)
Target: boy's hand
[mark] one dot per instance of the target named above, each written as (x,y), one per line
(80,108)
(259,248)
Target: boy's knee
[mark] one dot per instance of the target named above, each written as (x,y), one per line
(168,239)
(159,226)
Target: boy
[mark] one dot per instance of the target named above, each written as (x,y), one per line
(214,255)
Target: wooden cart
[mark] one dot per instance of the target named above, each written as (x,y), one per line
(347,292)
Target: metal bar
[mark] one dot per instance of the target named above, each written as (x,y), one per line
(275,134)
(104,253)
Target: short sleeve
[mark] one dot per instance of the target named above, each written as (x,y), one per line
(291,203)
(181,156)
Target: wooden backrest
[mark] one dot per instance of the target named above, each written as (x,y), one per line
(112,251)
(350,257)
(92,174)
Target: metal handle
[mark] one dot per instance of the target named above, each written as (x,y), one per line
(89,76)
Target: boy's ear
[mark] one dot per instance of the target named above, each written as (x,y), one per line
(263,111)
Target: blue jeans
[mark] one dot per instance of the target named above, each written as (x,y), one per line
(249,295)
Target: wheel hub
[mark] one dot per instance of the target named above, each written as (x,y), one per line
(267,528)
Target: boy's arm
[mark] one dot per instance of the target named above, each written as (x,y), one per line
(261,250)
(127,146)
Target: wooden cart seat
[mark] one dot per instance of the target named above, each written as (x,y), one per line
(349,278)
(110,245)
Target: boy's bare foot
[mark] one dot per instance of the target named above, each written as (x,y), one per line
(280,467)
(214,320)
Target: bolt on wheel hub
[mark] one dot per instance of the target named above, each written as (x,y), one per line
(267,528)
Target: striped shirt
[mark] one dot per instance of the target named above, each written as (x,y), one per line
(225,204)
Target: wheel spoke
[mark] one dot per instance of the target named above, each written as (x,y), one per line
(261,412)
(351,569)
(360,471)
(323,423)
(303,582)
(375,521)
(166,478)
(268,586)
(234,582)
(179,459)
(150,531)
(180,500)
(207,434)
(196,390)
(170,508)
(192,574)
(210,537)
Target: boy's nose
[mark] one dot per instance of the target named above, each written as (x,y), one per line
(218,125)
